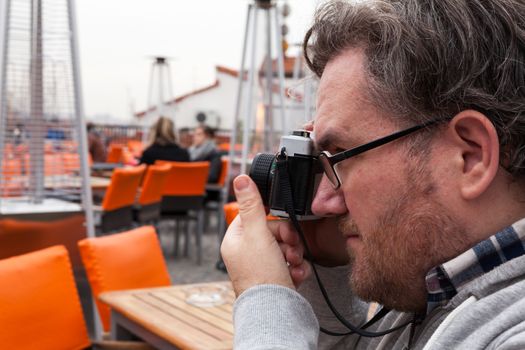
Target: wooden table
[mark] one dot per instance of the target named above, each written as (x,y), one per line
(64,182)
(163,318)
(99,183)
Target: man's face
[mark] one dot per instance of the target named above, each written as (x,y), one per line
(199,136)
(389,212)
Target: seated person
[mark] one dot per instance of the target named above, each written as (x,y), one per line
(95,144)
(203,144)
(163,144)
(185,137)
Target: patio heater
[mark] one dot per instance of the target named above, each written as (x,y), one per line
(270,91)
(45,195)
(159,90)
(248,94)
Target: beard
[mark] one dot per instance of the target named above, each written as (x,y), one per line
(413,235)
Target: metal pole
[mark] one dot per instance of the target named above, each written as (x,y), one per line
(82,133)
(233,137)
(268,132)
(308,100)
(170,93)
(145,127)
(160,102)
(79,111)
(4,38)
(249,111)
(37,125)
(280,65)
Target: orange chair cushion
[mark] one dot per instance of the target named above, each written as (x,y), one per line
(128,260)
(40,307)
(123,187)
(115,153)
(230,212)
(186,178)
(153,184)
(232,209)
(224,170)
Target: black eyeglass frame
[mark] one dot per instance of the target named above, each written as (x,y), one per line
(328,161)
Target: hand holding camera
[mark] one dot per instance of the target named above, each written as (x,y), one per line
(250,251)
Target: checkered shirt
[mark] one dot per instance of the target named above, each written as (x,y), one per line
(446,280)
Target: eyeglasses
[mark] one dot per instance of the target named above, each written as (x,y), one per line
(328,161)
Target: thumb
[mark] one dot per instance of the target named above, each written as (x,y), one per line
(251,209)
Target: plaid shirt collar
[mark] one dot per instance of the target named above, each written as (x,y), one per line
(446,280)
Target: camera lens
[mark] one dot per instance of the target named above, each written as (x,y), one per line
(261,174)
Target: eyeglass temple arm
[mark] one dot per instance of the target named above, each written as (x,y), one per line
(379,142)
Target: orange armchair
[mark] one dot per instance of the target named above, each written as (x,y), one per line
(148,207)
(184,190)
(40,304)
(128,260)
(119,199)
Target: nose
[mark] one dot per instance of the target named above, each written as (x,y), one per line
(327,201)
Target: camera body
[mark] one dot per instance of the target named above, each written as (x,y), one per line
(304,171)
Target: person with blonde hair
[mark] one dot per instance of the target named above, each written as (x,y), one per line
(163,144)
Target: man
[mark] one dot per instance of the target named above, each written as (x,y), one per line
(95,144)
(203,143)
(433,221)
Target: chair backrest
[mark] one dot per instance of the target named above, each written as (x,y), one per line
(11,168)
(122,189)
(186,178)
(40,306)
(115,153)
(128,260)
(230,212)
(153,184)
(71,163)
(135,147)
(53,164)
(224,170)
(232,209)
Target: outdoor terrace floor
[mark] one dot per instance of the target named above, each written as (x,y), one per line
(185,269)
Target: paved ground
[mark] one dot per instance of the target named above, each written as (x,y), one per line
(185,269)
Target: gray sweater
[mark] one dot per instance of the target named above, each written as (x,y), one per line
(488,313)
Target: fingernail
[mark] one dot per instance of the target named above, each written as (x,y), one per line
(241,183)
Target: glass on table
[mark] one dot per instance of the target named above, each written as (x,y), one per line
(205,295)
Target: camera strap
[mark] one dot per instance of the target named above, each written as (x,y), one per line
(285,187)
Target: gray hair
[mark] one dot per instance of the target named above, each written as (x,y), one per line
(434,58)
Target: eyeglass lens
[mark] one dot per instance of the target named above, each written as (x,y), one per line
(329,170)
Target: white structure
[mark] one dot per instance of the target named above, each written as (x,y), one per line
(217,102)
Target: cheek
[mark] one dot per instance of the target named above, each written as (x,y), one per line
(369,186)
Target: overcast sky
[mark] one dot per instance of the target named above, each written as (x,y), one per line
(117,38)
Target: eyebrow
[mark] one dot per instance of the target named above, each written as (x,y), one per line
(328,139)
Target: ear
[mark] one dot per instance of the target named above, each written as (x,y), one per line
(477,143)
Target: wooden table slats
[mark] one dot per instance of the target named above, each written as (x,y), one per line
(165,313)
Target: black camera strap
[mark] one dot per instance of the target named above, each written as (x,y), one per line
(285,187)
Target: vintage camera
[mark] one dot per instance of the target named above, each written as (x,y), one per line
(304,171)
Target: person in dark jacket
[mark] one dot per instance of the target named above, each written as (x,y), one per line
(163,144)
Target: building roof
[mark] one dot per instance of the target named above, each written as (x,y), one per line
(289,63)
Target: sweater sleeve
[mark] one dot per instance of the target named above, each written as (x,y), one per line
(274,317)
(353,309)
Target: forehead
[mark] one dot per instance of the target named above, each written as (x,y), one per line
(344,110)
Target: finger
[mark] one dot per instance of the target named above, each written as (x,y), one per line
(300,273)
(289,235)
(292,255)
(309,126)
(283,231)
(251,209)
